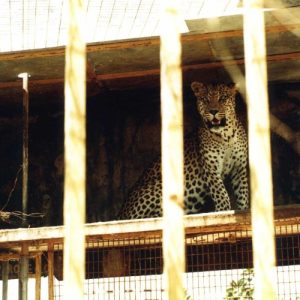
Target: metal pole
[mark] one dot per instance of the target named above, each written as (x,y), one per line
(259,151)
(23,273)
(172,150)
(25,77)
(23,280)
(5,271)
(75,153)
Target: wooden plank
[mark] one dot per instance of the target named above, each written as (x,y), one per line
(34,82)
(209,234)
(200,66)
(203,235)
(288,214)
(259,151)
(38,274)
(92,77)
(51,272)
(155,72)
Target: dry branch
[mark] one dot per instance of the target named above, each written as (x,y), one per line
(13,188)
(285,132)
(13,216)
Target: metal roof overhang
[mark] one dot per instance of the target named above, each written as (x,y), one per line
(212,51)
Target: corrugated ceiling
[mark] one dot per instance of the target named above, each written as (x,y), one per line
(33,24)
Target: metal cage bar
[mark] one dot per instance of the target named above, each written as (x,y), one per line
(172,149)
(259,150)
(75,153)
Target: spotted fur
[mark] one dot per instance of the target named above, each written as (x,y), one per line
(218,151)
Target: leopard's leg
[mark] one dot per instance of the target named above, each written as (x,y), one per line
(239,181)
(195,195)
(215,186)
(143,202)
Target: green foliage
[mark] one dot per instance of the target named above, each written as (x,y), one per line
(241,289)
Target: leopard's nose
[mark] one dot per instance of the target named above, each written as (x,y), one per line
(213,111)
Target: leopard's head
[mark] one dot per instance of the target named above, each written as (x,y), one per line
(216,104)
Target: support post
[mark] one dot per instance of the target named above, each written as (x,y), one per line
(51,272)
(5,271)
(75,153)
(23,273)
(38,274)
(172,150)
(25,77)
(259,151)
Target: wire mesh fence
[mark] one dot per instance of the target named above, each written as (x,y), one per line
(219,263)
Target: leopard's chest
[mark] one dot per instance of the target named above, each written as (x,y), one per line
(220,157)
(226,160)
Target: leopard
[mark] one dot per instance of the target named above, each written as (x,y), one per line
(215,161)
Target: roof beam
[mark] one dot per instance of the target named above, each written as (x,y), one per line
(92,77)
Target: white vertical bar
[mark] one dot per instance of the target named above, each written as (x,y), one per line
(75,153)
(172,149)
(259,150)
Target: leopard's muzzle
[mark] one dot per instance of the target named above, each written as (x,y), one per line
(215,118)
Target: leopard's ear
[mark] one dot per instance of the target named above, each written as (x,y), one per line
(232,87)
(198,88)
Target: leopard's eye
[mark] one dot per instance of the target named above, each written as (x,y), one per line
(223,98)
(204,99)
